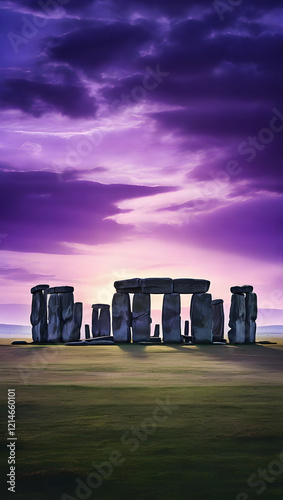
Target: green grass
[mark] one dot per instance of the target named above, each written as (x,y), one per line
(75,404)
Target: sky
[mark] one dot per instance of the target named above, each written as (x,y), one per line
(138,139)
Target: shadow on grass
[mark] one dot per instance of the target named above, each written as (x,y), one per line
(134,350)
(258,356)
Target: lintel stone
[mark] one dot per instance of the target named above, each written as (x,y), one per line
(61,289)
(242,289)
(38,288)
(189,285)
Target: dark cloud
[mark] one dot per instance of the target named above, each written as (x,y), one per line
(230,121)
(37,98)
(39,211)
(47,8)
(94,48)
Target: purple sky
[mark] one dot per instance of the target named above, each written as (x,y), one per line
(140,139)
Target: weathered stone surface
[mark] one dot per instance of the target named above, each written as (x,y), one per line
(95,322)
(241,289)
(237,319)
(82,343)
(171,319)
(157,285)
(155,340)
(38,288)
(101,342)
(128,286)
(106,337)
(55,318)
(251,316)
(71,317)
(188,285)
(121,317)
(156,331)
(87,332)
(67,304)
(61,289)
(100,320)
(217,320)
(141,317)
(38,317)
(104,322)
(186,329)
(201,318)
(77,321)
(100,306)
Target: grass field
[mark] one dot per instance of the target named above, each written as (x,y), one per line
(221,421)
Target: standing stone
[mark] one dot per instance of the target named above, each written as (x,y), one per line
(94,322)
(186,330)
(67,309)
(237,319)
(100,320)
(87,332)
(55,318)
(141,319)
(251,316)
(171,319)
(201,318)
(72,328)
(156,331)
(77,321)
(121,317)
(38,317)
(217,320)
(104,321)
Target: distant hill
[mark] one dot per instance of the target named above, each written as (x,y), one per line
(15,330)
(271,329)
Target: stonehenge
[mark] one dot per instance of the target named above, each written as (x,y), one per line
(55,317)
(217,320)
(251,316)
(100,320)
(171,318)
(201,318)
(121,317)
(243,315)
(38,317)
(141,319)
(171,289)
